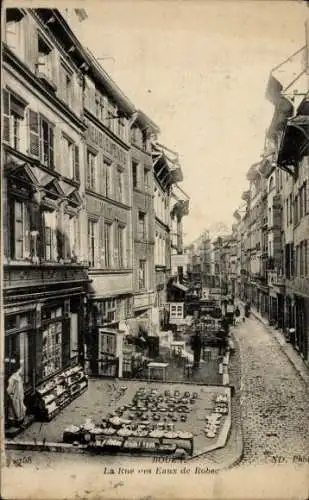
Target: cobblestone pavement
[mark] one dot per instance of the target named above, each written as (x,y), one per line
(274,400)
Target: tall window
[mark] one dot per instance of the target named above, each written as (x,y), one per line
(301,204)
(47,143)
(135,174)
(41,139)
(91,242)
(68,156)
(141,232)
(21,230)
(296,212)
(50,236)
(119,184)
(13,29)
(107,244)
(142,275)
(291,209)
(66,91)
(107,172)
(120,245)
(146,179)
(45,58)
(99,106)
(13,115)
(91,170)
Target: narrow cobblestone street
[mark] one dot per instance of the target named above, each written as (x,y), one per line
(274,400)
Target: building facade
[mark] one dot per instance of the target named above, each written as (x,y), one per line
(167,172)
(87,193)
(108,214)
(143,131)
(45,269)
(273,232)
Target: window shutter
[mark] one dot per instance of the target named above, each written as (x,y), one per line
(34,139)
(27,237)
(6,115)
(58,151)
(76,163)
(51,161)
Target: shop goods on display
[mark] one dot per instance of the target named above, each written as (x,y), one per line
(59,391)
(147,424)
(214,420)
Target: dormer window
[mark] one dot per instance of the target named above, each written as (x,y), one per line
(45,59)
(13,29)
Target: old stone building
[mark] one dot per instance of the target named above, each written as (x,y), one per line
(143,132)
(45,267)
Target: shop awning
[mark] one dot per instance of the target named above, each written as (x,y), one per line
(180,287)
(294,143)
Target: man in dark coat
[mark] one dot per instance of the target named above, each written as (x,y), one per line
(196,345)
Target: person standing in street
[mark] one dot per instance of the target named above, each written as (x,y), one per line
(196,345)
(236,315)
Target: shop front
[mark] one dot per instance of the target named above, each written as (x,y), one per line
(44,327)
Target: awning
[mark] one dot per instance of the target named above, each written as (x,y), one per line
(180,287)
(294,143)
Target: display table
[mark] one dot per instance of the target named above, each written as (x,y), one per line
(157,366)
(177,347)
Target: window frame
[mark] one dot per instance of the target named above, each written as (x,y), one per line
(107,244)
(142,277)
(24,220)
(91,170)
(49,63)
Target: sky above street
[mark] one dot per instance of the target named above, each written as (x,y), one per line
(199,69)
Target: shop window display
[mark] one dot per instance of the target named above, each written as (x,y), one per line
(52,342)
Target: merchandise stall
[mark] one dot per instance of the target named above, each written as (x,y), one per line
(154,422)
(58,391)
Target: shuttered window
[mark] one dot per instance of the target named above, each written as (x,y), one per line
(21,230)
(76,171)
(13,114)
(41,138)
(34,139)
(47,143)
(45,59)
